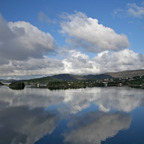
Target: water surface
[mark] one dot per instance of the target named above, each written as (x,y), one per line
(78,116)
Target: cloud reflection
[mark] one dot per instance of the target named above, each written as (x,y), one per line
(107,99)
(20,125)
(96,127)
(25,115)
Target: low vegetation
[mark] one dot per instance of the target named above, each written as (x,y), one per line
(62,84)
(53,83)
(1,83)
(67,81)
(17,85)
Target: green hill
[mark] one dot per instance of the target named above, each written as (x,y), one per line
(71,77)
(67,77)
(43,80)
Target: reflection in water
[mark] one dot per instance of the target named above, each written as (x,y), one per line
(19,125)
(107,99)
(27,115)
(95,127)
(32,98)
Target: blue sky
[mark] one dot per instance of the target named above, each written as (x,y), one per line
(46,37)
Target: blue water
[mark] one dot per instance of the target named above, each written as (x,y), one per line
(80,116)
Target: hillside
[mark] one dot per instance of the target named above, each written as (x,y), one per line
(68,77)
(110,75)
(98,77)
(71,77)
(65,77)
(133,78)
(126,74)
(7,81)
(81,77)
(43,80)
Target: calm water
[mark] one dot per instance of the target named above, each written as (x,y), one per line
(82,116)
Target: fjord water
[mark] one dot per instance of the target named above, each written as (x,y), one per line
(76,116)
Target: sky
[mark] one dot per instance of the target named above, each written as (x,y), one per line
(46,37)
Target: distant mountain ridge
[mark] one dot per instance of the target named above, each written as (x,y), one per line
(109,75)
(7,81)
(82,77)
(64,77)
(71,77)
(126,74)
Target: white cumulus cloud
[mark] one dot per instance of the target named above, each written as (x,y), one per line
(32,66)
(106,61)
(77,62)
(21,40)
(118,61)
(74,62)
(87,33)
(24,49)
